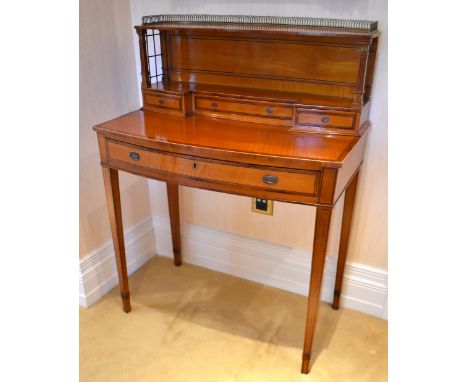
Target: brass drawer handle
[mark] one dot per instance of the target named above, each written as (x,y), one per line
(269,110)
(214,104)
(270,179)
(134,156)
(325,119)
(161,102)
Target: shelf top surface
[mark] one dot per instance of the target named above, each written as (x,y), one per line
(259,94)
(274,24)
(186,135)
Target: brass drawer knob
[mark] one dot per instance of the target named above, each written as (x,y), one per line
(269,110)
(325,119)
(134,156)
(214,104)
(161,102)
(270,179)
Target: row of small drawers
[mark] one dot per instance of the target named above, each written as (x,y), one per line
(278,113)
(306,183)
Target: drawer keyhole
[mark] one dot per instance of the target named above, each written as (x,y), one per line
(270,179)
(161,102)
(194,165)
(214,104)
(269,110)
(325,119)
(134,156)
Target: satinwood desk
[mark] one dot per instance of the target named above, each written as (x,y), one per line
(274,108)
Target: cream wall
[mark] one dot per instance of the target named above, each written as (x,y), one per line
(292,225)
(108,88)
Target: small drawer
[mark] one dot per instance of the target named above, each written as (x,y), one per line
(266,178)
(326,119)
(261,109)
(163,101)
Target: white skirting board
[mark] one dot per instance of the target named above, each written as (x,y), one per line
(364,288)
(98,272)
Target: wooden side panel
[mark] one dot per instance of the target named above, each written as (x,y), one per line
(250,57)
(350,165)
(266,83)
(251,62)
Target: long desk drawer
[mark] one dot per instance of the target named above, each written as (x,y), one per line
(288,181)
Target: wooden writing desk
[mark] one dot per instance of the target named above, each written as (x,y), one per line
(249,106)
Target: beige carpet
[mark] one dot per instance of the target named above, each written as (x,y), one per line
(193,324)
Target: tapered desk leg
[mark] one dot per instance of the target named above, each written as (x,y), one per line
(173,198)
(111,182)
(322,226)
(350,197)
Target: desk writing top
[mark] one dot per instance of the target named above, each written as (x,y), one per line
(229,140)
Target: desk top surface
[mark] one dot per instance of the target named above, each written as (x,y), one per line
(165,132)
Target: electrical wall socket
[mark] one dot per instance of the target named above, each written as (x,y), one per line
(262,206)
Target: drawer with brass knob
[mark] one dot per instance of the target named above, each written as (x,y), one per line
(277,179)
(244,109)
(162,100)
(325,118)
(167,102)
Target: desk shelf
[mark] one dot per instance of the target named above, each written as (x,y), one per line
(315,77)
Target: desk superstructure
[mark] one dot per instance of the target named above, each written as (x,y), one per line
(269,107)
